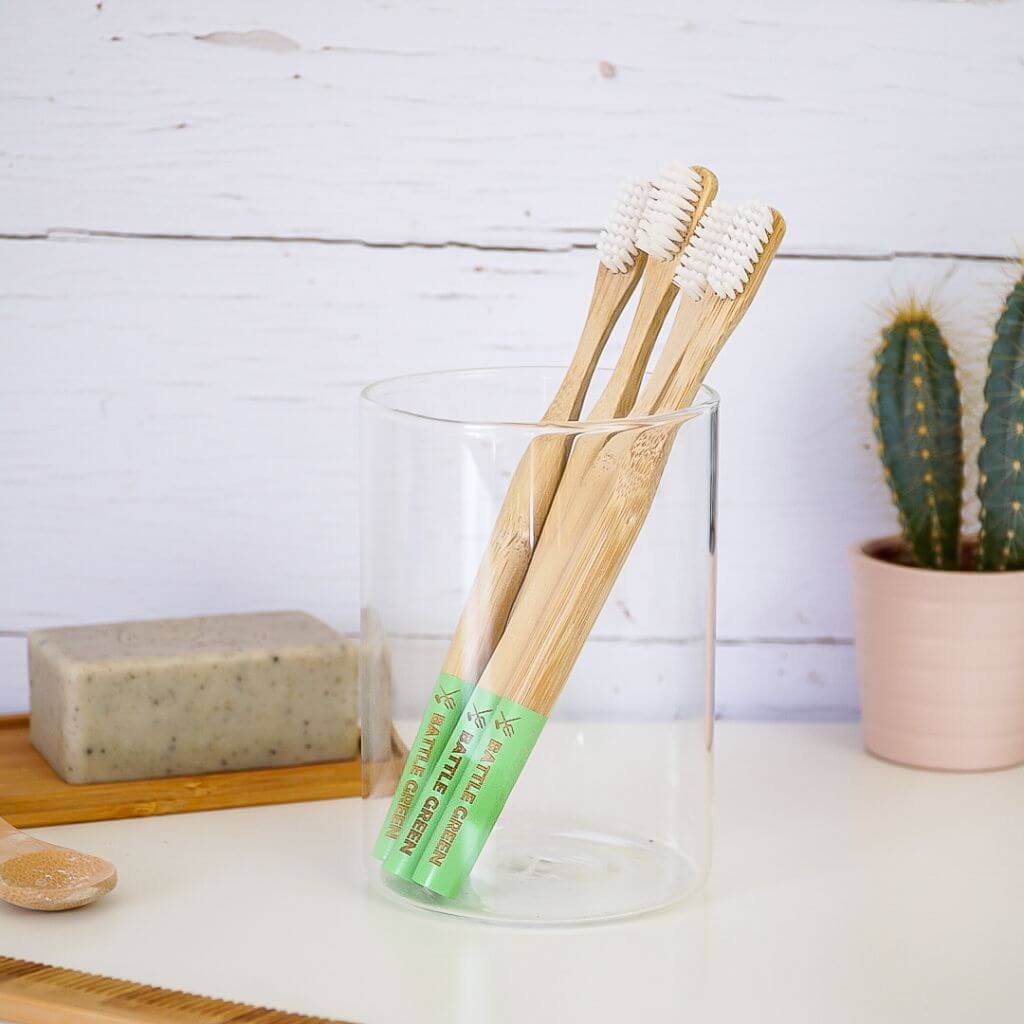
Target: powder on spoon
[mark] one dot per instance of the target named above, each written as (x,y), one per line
(55,879)
(49,869)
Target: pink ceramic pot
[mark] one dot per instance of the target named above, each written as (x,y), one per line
(941,662)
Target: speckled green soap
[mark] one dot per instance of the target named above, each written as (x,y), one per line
(134,700)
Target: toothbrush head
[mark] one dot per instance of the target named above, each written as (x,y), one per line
(692,273)
(670,210)
(617,246)
(740,248)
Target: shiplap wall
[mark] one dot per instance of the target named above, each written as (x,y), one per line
(217,222)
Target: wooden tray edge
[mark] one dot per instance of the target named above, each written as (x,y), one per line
(186,794)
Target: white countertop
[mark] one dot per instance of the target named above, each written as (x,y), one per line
(842,889)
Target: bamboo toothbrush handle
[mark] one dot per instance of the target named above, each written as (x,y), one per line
(611,293)
(507,556)
(573,570)
(571,575)
(657,393)
(532,489)
(543,470)
(580,555)
(656,297)
(518,688)
(510,547)
(620,394)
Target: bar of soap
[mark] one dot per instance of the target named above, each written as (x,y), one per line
(136,700)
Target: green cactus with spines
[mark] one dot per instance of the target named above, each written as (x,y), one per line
(915,400)
(1001,459)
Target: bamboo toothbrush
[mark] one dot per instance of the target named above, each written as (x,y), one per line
(522,512)
(425,815)
(568,583)
(651,226)
(691,279)
(678,200)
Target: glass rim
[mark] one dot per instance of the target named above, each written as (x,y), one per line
(707,402)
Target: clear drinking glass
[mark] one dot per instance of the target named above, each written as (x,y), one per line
(611,814)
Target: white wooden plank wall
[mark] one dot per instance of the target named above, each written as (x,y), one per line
(217,222)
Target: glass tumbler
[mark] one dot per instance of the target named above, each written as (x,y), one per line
(584,796)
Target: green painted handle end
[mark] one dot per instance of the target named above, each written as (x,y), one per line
(447,700)
(466,821)
(445,779)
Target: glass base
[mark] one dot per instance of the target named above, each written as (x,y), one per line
(537,876)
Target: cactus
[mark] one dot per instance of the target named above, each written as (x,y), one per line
(1001,459)
(915,400)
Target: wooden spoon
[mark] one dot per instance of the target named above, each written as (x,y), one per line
(39,876)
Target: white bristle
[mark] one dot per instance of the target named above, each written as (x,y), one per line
(692,273)
(669,211)
(739,249)
(617,244)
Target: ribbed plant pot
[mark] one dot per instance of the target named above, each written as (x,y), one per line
(941,662)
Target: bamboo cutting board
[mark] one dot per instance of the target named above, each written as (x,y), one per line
(32,794)
(38,994)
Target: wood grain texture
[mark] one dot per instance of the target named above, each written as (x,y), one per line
(507,124)
(575,568)
(32,794)
(531,490)
(32,993)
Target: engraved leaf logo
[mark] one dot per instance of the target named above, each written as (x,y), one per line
(506,725)
(447,698)
(476,716)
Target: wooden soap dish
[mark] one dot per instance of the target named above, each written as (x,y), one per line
(32,794)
